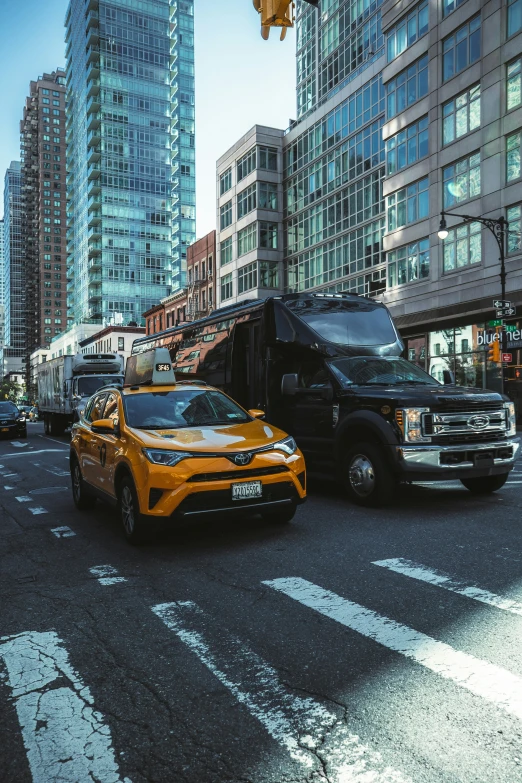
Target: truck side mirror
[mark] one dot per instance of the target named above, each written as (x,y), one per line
(449,378)
(289,384)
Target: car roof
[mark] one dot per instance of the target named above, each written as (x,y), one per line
(147,389)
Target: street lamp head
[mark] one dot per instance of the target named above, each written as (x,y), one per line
(442,233)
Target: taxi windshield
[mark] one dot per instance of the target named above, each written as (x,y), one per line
(184,408)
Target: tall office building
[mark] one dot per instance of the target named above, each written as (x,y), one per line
(42,141)
(130,155)
(2,297)
(14,278)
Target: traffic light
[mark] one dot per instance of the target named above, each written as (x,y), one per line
(494,346)
(277,13)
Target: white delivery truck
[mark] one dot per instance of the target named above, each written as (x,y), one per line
(66,383)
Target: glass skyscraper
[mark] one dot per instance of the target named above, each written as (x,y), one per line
(14,279)
(130,154)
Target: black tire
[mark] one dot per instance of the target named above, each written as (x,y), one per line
(136,528)
(47,427)
(486,484)
(82,498)
(283,517)
(367,477)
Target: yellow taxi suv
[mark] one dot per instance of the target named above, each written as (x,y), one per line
(164,451)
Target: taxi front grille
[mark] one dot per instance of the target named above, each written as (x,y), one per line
(232,475)
(221,499)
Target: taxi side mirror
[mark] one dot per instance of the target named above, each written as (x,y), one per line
(256,413)
(105,427)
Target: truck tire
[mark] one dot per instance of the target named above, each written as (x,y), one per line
(486,484)
(57,425)
(82,498)
(136,528)
(47,426)
(367,477)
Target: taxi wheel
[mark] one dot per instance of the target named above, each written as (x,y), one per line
(82,499)
(281,517)
(135,526)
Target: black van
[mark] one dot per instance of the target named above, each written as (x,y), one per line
(327,368)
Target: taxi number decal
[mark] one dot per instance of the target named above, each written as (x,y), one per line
(163,367)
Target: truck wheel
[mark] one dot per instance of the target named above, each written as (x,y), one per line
(47,427)
(81,496)
(57,426)
(135,526)
(486,484)
(367,477)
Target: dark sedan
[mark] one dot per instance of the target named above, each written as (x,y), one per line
(12,421)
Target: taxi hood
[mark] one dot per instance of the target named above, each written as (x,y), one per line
(226,437)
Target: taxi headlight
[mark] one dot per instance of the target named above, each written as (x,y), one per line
(288,445)
(164,457)
(511,423)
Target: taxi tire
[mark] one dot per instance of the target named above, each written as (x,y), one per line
(365,463)
(486,484)
(137,530)
(83,500)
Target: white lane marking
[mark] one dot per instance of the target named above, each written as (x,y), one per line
(440,579)
(513,482)
(64,737)
(6,487)
(7,475)
(106,575)
(482,678)
(32,453)
(56,471)
(47,490)
(306,729)
(63,532)
(24,499)
(64,445)
(18,444)
(37,510)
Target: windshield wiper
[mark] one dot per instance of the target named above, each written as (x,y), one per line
(407,383)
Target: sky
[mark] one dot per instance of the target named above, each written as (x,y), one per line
(241,80)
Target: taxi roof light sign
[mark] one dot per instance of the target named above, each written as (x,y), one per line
(150,368)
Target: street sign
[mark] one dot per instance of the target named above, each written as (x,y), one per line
(506,311)
(501,303)
(510,328)
(507,358)
(495,322)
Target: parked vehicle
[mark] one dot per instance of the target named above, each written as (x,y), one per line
(327,369)
(66,383)
(12,421)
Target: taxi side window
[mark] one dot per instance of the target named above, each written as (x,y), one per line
(94,411)
(111,407)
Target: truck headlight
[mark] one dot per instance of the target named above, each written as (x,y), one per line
(410,424)
(164,457)
(511,418)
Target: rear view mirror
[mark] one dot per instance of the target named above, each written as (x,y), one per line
(105,427)
(289,384)
(256,413)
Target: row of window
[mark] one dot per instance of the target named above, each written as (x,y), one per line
(257,234)
(258,157)
(258,274)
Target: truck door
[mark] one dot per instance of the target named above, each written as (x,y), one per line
(247,366)
(309,413)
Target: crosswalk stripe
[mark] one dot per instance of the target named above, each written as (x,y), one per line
(482,678)
(439,579)
(64,737)
(309,731)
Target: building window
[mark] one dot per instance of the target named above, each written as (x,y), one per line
(407,31)
(461,180)
(226,287)
(226,251)
(246,201)
(451,5)
(121,343)
(246,239)
(246,164)
(461,49)
(409,263)
(514,84)
(267,195)
(247,278)
(408,204)
(225,181)
(268,235)
(514,16)
(407,147)
(461,115)
(513,156)
(514,237)
(268,274)
(225,215)
(267,158)
(462,247)
(408,87)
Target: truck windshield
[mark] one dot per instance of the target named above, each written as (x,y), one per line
(379,371)
(184,408)
(91,383)
(360,323)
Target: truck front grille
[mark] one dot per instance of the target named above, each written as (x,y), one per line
(473,426)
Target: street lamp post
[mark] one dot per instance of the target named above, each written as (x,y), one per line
(499,229)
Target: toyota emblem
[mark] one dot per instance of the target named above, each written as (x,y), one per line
(478,422)
(242,459)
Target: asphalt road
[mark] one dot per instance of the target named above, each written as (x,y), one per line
(352,645)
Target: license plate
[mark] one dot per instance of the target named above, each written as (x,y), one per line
(247,490)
